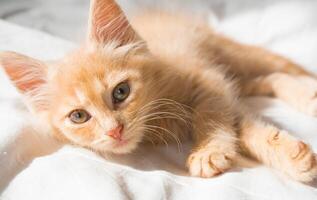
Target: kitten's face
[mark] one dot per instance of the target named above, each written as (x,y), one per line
(94,94)
(96,98)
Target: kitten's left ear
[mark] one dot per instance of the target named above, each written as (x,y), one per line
(27,74)
(107,23)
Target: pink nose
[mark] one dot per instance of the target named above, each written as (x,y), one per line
(116,133)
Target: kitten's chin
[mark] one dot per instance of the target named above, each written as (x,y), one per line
(123,147)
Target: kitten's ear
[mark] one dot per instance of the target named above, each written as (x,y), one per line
(107,23)
(27,74)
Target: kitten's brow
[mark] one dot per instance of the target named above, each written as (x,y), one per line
(81,96)
(112,79)
(99,87)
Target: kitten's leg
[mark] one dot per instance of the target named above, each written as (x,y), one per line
(213,119)
(278,149)
(247,61)
(298,91)
(261,72)
(213,154)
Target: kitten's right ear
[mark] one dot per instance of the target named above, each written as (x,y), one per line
(107,23)
(27,74)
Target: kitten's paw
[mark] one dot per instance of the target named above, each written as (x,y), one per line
(305,95)
(302,165)
(298,91)
(207,163)
(308,102)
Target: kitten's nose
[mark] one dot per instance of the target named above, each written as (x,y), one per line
(116,133)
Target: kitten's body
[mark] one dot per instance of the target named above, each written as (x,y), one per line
(188,64)
(216,72)
(183,79)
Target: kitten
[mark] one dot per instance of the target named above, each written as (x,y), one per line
(170,78)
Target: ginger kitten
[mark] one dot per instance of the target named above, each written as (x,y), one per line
(167,78)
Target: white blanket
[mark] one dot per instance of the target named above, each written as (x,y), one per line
(34,167)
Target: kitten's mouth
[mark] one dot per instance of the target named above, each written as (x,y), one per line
(126,145)
(121,143)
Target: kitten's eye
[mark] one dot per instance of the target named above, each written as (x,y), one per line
(121,92)
(79,116)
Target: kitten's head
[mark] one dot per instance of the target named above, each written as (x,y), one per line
(97,96)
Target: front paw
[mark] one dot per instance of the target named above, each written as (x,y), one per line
(208,163)
(302,163)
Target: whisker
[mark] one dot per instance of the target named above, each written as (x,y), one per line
(169,133)
(165,109)
(157,134)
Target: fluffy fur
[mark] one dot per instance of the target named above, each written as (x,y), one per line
(185,80)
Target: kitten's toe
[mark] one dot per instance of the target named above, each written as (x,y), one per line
(207,164)
(302,163)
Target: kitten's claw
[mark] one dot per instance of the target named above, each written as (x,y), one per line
(207,163)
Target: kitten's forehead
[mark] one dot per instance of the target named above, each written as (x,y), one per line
(102,65)
(88,77)
(114,77)
(91,87)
